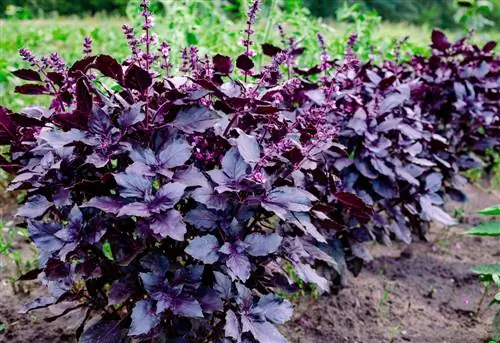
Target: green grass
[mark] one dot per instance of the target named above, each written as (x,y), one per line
(207,28)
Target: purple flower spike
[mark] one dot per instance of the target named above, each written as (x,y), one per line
(87,46)
(28,56)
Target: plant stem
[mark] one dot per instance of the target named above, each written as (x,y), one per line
(269,24)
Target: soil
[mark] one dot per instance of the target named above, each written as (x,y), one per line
(422,293)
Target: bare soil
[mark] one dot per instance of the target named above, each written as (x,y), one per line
(422,293)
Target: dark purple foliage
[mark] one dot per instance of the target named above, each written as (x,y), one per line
(409,129)
(171,207)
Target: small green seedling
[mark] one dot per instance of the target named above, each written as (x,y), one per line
(489,273)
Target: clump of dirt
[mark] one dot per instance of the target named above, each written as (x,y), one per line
(422,293)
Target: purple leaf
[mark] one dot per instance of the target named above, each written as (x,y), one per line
(210,300)
(244,63)
(380,166)
(131,116)
(195,119)
(248,147)
(439,40)
(409,131)
(232,327)
(190,176)
(121,290)
(27,74)
(366,169)
(38,303)
(309,275)
(43,235)
(106,204)
(239,265)
(489,46)
(109,67)
(168,195)
(389,124)
(144,318)
(277,310)
(204,248)
(434,212)
(222,64)
(234,165)
(262,245)
(353,201)
(187,307)
(175,154)
(291,198)
(402,232)
(31,89)
(202,218)
(57,78)
(266,332)
(223,285)
(30,275)
(133,185)
(303,221)
(103,331)
(8,129)
(137,78)
(170,225)
(137,209)
(433,182)
(422,162)
(358,125)
(34,207)
(405,175)
(156,263)
(270,50)
(81,65)
(385,188)
(83,97)
(99,122)
(392,101)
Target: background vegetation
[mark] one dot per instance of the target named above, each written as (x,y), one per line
(439,13)
(184,23)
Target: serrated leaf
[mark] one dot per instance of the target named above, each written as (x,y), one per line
(204,248)
(144,319)
(487,269)
(491,211)
(487,229)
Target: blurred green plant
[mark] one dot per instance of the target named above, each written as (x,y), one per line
(17,12)
(472,14)
(13,255)
(489,274)
(303,290)
(490,171)
(363,24)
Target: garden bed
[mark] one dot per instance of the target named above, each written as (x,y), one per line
(421,293)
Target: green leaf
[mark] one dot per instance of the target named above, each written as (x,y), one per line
(487,269)
(487,229)
(496,280)
(491,211)
(191,38)
(106,249)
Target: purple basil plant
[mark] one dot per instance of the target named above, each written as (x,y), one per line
(168,207)
(408,130)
